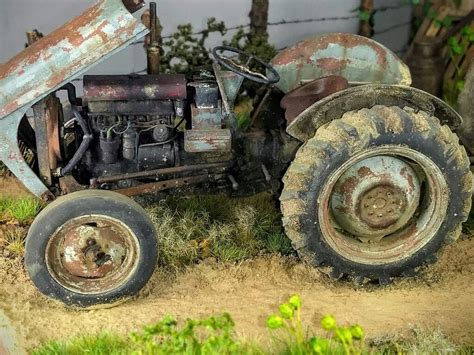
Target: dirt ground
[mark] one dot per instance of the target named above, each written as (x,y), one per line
(441,297)
(250,291)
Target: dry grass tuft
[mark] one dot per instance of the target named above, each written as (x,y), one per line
(192,228)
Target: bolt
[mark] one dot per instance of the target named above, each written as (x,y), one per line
(91,242)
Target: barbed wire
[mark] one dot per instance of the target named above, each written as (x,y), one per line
(391,28)
(299,21)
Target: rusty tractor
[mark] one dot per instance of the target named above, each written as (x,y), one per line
(374,179)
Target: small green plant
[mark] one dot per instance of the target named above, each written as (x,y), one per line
(458,47)
(213,335)
(340,340)
(14,240)
(20,210)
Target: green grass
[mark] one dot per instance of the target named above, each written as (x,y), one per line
(95,345)
(192,228)
(22,210)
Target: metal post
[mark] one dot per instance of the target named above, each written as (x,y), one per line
(153,50)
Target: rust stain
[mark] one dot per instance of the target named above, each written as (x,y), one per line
(306,48)
(331,64)
(107,33)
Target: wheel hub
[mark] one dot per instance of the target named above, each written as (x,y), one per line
(375,197)
(382,206)
(91,251)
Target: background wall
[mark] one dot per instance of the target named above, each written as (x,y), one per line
(305,17)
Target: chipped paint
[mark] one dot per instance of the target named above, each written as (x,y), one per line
(356,58)
(66,53)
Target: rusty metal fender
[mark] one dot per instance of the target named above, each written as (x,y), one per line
(356,58)
(366,96)
(67,53)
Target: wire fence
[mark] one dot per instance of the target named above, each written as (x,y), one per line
(283,22)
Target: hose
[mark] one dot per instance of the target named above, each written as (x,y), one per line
(86,140)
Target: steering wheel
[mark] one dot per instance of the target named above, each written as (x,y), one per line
(244,69)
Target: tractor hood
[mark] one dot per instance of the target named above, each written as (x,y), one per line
(68,52)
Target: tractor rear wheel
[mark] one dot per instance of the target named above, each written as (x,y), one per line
(376,193)
(91,247)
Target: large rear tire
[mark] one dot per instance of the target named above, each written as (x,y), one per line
(376,193)
(91,247)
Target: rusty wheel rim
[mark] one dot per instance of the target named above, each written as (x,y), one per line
(419,211)
(92,254)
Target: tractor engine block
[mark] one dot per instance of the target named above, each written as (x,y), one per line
(132,120)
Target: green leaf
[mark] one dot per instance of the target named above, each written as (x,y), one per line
(447,21)
(286,310)
(357,332)
(459,85)
(295,301)
(364,15)
(328,322)
(457,3)
(274,322)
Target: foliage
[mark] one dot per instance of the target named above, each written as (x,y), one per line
(185,50)
(257,45)
(19,210)
(458,47)
(216,335)
(101,344)
(339,340)
(213,335)
(192,228)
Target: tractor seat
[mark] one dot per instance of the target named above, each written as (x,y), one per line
(299,99)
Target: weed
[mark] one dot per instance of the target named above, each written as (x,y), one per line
(213,335)
(340,340)
(14,240)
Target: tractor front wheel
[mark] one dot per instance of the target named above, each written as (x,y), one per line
(376,193)
(91,247)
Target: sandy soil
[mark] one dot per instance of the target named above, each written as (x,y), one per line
(440,298)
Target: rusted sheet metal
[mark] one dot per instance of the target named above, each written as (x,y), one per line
(367,96)
(66,53)
(169,184)
(206,118)
(139,87)
(356,58)
(376,197)
(215,167)
(210,140)
(299,99)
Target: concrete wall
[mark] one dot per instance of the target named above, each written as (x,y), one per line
(18,16)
